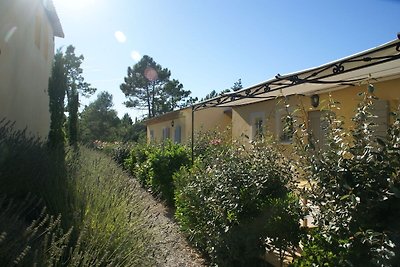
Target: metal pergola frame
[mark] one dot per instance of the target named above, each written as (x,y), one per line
(348,71)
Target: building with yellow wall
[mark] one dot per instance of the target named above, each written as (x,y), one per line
(263,107)
(27,31)
(253,111)
(251,119)
(177,125)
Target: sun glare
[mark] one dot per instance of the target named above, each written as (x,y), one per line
(135,55)
(120,36)
(74,4)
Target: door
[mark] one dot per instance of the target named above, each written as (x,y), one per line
(317,126)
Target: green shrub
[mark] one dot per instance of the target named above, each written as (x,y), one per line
(107,211)
(154,166)
(355,192)
(122,152)
(225,207)
(29,237)
(320,251)
(28,166)
(209,143)
(102,222)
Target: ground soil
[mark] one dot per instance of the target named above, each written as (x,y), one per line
(172,248)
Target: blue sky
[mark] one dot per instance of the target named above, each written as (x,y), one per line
(210,44)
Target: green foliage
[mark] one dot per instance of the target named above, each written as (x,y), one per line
(148,85)
(228,205)
(237,85)
(154,166)
(107,211)
(173,96)
(75,85)
(136,163)
(57,89)
(282,226)
(102,222)
(190,101)
(26,165)
(208,144)
(320,251)
(30,239)
(122,152)
(354,185)
(99,121)
(132,132)
(214,94)
(73,105)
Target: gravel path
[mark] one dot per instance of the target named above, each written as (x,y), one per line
(173,250)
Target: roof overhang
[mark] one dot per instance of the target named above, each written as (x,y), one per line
(173,115)
(379,63)
(53,17)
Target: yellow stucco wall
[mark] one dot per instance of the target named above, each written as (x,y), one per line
(242,117)
(210,119)
(25,67)
(204,120)
(157,127)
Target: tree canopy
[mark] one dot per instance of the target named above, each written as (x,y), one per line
(75,85)
(237,85)
(148,86)
(75,79)
(99,121)
(214,94)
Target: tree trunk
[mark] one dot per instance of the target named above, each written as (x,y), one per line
(148,102)
(152,99)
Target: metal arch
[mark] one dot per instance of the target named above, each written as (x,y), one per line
(281,82)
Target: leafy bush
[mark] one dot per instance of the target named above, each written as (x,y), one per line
(320,251)
(355,188)
(102,222)
(207,144)
(226,208)
(136,162)
(154,166)
(122,152)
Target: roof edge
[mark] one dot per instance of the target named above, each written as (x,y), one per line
(164,117)
(224,98)
(54,19)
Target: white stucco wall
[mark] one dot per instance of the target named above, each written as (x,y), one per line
(24,67)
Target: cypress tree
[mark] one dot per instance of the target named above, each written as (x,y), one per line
(56,91)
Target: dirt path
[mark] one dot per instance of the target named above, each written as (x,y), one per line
(173,250)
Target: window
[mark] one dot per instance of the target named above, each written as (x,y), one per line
(151,135)
(257,120)
(380,110)
(178,134)
(258,128)
(317,127)
(284,126)
(165,133)
(287,129)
